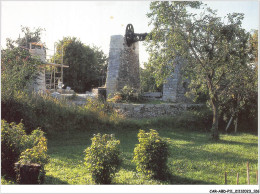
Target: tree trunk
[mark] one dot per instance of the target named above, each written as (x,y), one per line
(215,134)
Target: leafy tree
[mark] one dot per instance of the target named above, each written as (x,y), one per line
(215,50)
(18,69)
(253,47)
(87,66)
(29,36)
(148,80)
(242,96)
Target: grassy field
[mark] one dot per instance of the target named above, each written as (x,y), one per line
(194,158)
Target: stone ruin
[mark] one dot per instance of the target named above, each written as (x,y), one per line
(123,68)
(123,65)
(38,50)
(175,87)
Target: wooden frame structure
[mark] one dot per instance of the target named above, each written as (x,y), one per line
(53,75)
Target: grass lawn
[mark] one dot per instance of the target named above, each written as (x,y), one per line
(194,158)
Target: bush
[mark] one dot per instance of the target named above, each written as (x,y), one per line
(151,154)
(12,144)
(37,153)
(16,145)
(55,115)
(102,158)
(127,94)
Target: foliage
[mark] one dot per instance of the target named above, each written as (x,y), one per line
(253,47)
(15,145)
(29,36)
(215,51)
(37,151)
(87,65)
(148,80)
(12,144)
(194,158)
(127,94)
(102,158)
(151,154)
(19,69)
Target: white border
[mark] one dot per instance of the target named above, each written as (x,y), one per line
(127,188)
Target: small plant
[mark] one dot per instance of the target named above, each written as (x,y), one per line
(151,154)
(117,98)
(102,158)
(22,148)
(37,153)
(127,94)
(12,144)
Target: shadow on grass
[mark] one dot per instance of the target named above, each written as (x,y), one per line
(177,180)
(50,180)
(237,143)
(198,138)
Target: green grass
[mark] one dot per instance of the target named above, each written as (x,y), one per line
(194,158)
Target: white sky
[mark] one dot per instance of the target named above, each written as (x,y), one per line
(93,22)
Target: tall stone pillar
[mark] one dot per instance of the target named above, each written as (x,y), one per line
(40,53)
(123,65)
(175,87)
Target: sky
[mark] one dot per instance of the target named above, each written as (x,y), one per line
(94,22)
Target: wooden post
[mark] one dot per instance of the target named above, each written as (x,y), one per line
(256,176)
(237,178)
(248,178)
(225,178)
(230,120)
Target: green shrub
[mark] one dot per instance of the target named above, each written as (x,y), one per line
(37,153)
(12,144)
(151,154)
(55,115)
(102,158)
(16,145)
(127,94)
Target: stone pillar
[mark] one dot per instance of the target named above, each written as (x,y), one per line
(170,88)
(40,53)
(175,87)
(123,65)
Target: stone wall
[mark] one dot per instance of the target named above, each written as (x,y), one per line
(151,110)
(123,65)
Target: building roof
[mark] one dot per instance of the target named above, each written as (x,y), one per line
(37,43)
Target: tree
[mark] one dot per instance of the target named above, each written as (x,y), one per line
(87,66)
(242,96)
(214,49)
(18,69)
(29,36)
(148,80)
(253,47)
